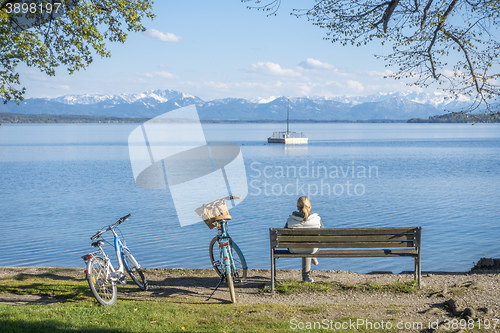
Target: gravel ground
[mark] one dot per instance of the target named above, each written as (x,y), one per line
(444,296)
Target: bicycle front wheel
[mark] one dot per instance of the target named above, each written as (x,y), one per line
(102,287)
(239,263)
(134,269)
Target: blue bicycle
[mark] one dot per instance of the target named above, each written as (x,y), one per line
(101,274)
(226,257)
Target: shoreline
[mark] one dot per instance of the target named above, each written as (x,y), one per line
(82,268)
(444,297)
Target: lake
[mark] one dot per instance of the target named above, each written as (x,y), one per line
(60,183)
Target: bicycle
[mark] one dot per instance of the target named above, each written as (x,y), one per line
(228,261)
(101,274)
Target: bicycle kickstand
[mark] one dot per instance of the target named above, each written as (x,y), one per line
(222,278)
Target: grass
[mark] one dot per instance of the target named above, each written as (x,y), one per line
(77,310)
(46,284)
(133,316)
(293,287)
(174,315)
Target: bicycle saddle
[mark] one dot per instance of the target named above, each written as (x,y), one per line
(97,243)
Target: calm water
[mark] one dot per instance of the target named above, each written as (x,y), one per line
(61,183)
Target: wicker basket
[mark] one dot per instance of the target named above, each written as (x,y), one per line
(213,211)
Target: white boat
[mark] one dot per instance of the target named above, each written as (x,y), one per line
(288,137)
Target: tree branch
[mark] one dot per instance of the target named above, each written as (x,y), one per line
(424,15)
(442,20)
(466,54)
(388,13)
(426,36)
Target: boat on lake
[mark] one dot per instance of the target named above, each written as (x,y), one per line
(288,137)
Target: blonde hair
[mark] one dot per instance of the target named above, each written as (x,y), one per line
(304,207)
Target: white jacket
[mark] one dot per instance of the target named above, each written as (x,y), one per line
(296,221)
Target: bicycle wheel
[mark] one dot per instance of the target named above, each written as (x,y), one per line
(230,284)
(134,270)
(240,264)
(102,287)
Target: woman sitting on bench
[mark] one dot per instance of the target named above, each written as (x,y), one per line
(304,218)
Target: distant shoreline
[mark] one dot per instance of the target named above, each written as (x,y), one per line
(19,118)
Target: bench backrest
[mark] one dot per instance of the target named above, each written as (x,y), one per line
(345,237)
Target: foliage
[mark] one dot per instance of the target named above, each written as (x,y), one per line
(460,117)
(69,37)
(449,42)
(9,117)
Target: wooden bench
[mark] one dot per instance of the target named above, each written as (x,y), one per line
(347,242)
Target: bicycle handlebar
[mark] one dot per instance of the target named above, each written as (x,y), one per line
(122,219)
(97,235)
(232,197)
(100,232)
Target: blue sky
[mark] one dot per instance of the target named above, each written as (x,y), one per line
(220,49)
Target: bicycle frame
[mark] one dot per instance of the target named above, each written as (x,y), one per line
(223,240)
(115,275)
(118,251)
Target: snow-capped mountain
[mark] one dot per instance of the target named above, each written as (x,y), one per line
(154,97)
(397,106)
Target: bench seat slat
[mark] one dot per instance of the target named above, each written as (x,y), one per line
(335,238)
(343,245)
(351,253)
(344,231)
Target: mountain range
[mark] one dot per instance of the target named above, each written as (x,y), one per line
(396,106)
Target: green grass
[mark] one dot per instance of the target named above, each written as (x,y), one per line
(45,285)
(78,311)
(171,315)
(293,287)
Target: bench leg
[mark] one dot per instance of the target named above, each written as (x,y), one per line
(415,269)
(417,275)
(419,271)
(273,270)
(418,261)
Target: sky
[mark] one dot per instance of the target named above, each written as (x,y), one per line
(222,49)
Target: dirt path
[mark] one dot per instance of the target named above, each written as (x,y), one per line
(444,296)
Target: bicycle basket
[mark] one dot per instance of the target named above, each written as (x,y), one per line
(213,211)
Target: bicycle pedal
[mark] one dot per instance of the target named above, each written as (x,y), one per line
(123,280)
(119,277)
